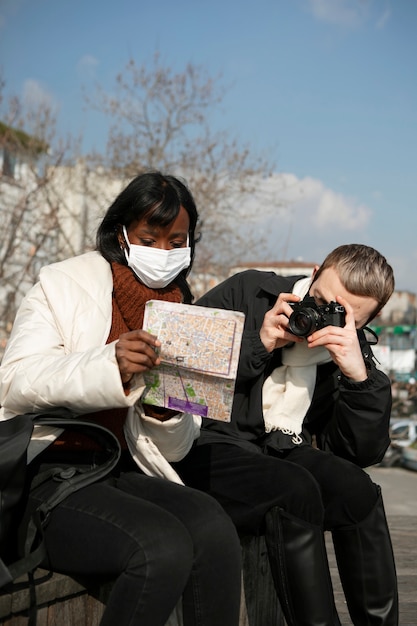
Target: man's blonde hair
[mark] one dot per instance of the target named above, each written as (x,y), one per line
(363,271)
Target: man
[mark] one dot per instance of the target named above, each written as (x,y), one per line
(309,412)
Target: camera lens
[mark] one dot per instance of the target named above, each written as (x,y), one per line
(302,323)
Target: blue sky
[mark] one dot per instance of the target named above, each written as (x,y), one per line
(327,88)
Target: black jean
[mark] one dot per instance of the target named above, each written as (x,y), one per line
(315,486)
(158,540)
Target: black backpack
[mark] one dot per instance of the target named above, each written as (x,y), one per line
(15,435)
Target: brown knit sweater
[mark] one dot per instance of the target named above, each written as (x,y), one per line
(128,306)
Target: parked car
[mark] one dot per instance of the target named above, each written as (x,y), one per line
(409,457)
(403,433)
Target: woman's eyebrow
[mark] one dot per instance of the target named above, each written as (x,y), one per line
(147,230)
(180,233)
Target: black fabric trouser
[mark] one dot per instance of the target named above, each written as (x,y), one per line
(298,497)
(160,541)
(315,486)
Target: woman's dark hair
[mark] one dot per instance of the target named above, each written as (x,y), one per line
(156,197)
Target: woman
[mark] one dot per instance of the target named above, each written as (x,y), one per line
(78,343)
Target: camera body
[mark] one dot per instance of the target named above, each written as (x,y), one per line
(308,317)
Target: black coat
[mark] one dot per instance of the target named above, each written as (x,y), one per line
(347,418)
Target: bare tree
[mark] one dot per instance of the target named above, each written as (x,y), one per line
(34,214)
(52,200)
(160,119)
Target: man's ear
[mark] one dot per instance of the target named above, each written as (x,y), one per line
(314,272)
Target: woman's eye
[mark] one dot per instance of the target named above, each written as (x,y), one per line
(146,242)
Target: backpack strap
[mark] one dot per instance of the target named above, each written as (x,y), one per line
(68,480)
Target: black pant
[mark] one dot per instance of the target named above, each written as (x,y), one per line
(315,486)
(158,540)
(292,500)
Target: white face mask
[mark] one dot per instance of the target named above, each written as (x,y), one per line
(156,268)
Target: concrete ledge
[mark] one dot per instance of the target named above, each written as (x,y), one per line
(50,588)
(63,601)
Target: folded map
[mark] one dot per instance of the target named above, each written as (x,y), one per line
(199,358)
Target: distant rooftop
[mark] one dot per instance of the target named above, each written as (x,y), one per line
(290,268)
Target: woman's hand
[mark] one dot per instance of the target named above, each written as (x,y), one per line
(136,353)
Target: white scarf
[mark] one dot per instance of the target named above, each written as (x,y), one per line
(288,391)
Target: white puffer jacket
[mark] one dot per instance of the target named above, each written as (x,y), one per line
(57,356)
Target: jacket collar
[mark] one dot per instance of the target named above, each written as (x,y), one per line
(274,284)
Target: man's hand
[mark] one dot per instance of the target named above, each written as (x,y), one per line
(274,332)
(343,345)
(136,353)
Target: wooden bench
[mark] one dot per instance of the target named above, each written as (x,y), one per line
(63,601)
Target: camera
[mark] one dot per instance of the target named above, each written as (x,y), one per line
(308,317)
